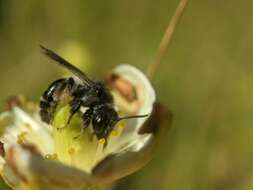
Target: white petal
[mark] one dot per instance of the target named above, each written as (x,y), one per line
(139,80)
(18,122)
(132,158)
(27,168)
(146,96)
(118,165)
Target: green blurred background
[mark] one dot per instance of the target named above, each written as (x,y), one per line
(205,78)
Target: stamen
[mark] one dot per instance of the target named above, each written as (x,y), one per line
(121,127)
(114,133)
(117,132)
(99,150)
(22,138)
(51,156)
(101,141)
(72,152)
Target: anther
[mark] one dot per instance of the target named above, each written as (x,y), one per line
(22,138)
(51,156)
(114,133)
(101,141)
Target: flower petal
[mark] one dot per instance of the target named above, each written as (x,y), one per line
(145,92)
(134,95)
(20,125)
(121,164)
(26,169)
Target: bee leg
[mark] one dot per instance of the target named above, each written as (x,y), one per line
(86,123)
(75,105)
(51,97)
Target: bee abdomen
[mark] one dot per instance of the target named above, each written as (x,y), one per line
(45,112)
(51,96)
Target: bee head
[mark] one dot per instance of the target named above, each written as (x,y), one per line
(102,92)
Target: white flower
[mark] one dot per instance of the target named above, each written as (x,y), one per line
(35,155)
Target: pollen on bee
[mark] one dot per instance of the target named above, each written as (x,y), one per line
(22,138)
(51,156)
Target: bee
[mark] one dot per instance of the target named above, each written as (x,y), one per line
(89,95)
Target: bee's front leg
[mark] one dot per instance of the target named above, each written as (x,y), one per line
(75,105)
(86,117)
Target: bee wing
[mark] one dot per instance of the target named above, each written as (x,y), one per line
(77,72)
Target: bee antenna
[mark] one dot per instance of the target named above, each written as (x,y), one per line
(132,116)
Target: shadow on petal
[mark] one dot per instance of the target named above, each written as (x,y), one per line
(31,171)
(118,165)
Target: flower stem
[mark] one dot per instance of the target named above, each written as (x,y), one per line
(153,67)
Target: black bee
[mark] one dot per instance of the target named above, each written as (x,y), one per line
(90,95)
